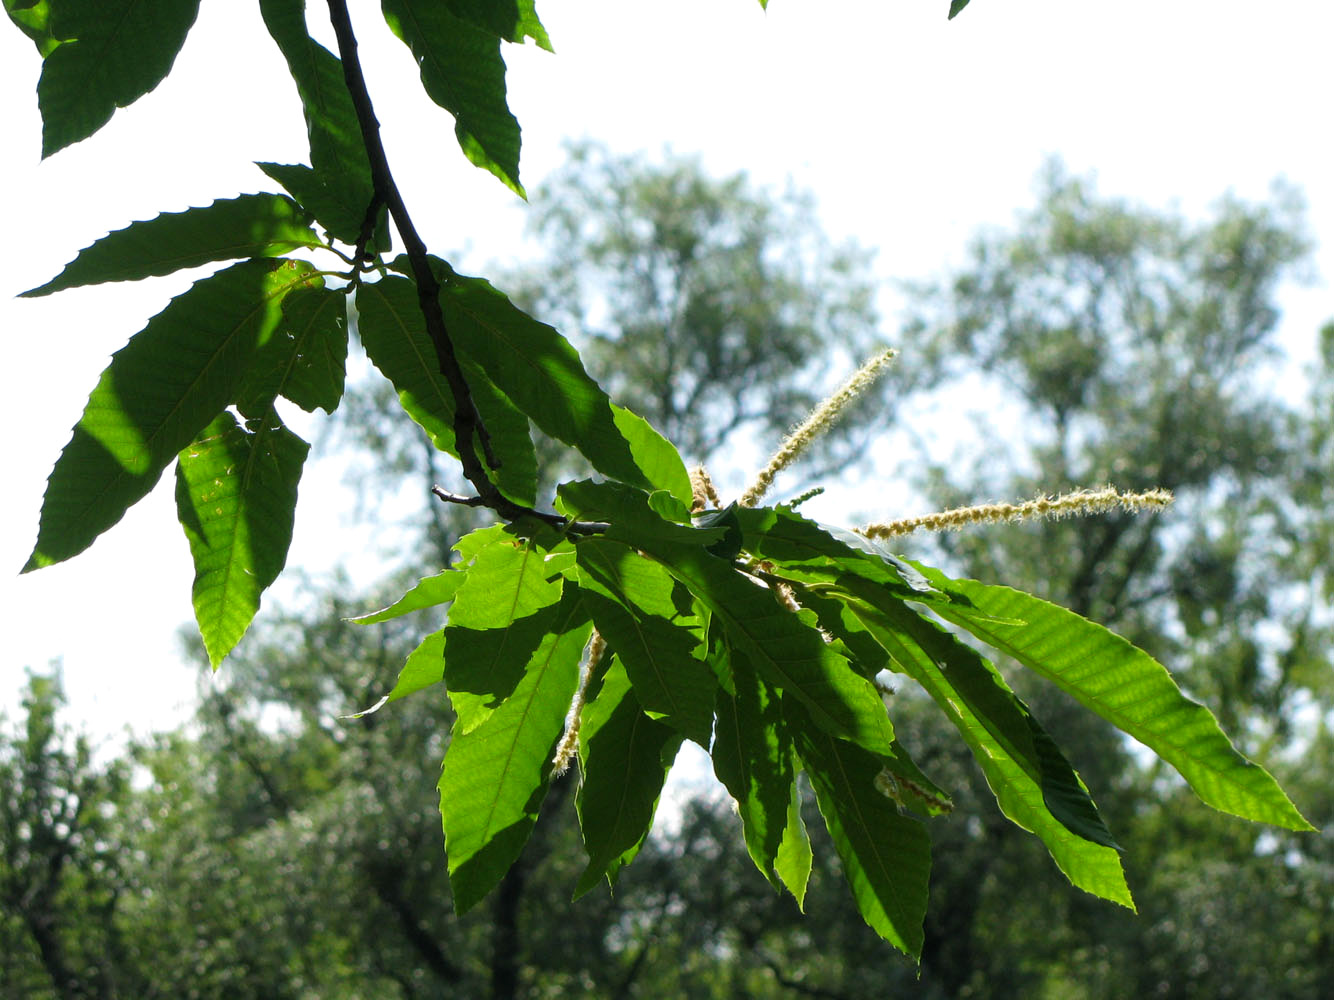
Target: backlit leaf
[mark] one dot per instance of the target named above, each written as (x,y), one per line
(113,52)
(463,72)
(996,726)
(253,225)
(625,757)
(495,777)
(236,491)
(630,599)
(159,391)
(1127,687)
(393,331)
(305,358)
(886,856)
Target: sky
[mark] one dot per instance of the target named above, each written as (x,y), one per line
(910,130)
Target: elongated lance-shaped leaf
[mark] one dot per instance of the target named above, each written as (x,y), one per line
(463,72)
(974,698)
(495,777)
(304,359)
(499,616)
(625,757)
(430,592)
(541,373)
(236,499)
(393,332)
(784,646)
(631,601)
(886,856)
(633,514)
(656,457)
(956,6)
(512,20)
(337,188)
(113,52)
(160,390)
(1127,687)
(752,757)
(795,858)
(253,225)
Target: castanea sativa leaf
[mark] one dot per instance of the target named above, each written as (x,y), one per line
(393,332)
(513,20)
(997,727)
(541,372)
(500,615)
(495,776)
(1128,688)
(112,52)
(631,600)
(886,856)
(625,757)
(463,72)
(753,758)
(236,488)
(159,391)
(337,186)
(252,225)
(304,359)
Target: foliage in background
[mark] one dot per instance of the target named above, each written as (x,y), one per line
(760,635)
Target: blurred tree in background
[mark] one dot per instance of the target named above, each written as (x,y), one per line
(274,848)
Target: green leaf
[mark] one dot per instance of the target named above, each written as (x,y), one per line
(1029,785)
(752,757)
(393,331)
(794,861)
(495,777)
(337,201)
(512,20)
(236,498)
(956,6)
(430,592)
(112,53)
(631,513)
(34,20)
(630,599)
(541,373)
(463,72)
(886,856)
(159,391)
(1124,685)
(253,225)
(625,757)
(784,646)
(337,187)
(304,359)
(656,457)
(500,614)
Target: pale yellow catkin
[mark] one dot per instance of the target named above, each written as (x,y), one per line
(569,741)
(820,420)
(703,495)
(1080,502)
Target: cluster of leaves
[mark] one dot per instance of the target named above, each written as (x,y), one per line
(754,632)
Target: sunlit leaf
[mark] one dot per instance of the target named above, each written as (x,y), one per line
(886,856)
(113,52)
(1027,784)
(304,359)
(253,225)
(236,498)
(393,331)
(463,72)
(495,777)
(625,757)
(630,599)
(429,592)
(159,391)
(512,20)
(1127,687)
(752,757)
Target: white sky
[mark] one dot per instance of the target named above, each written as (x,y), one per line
(911,131)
